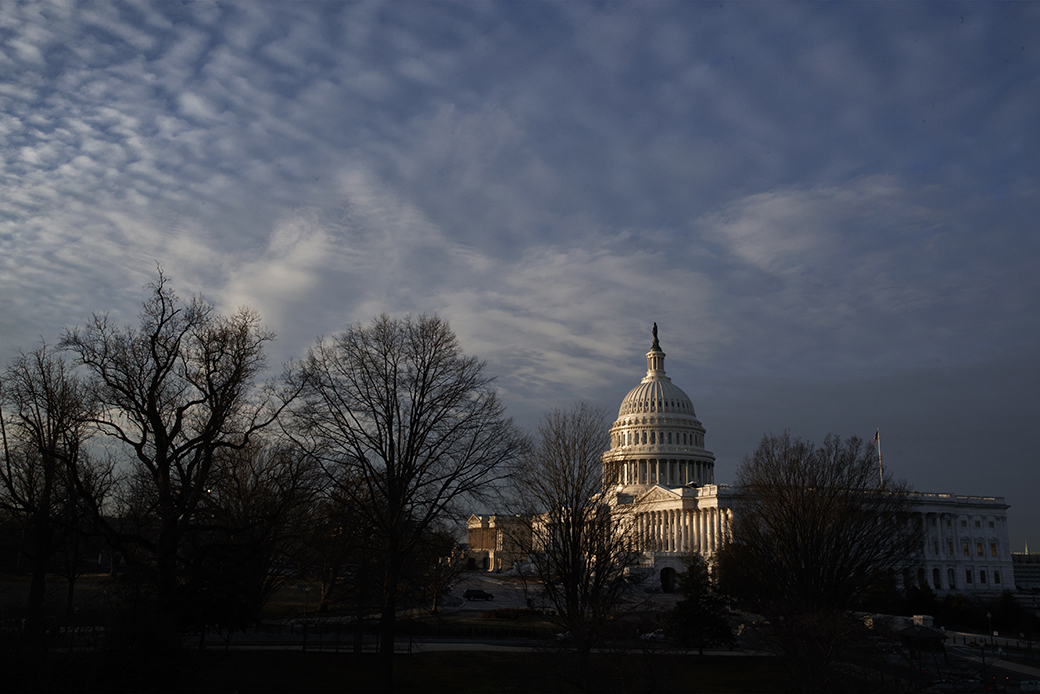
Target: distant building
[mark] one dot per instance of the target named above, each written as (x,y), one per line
(496,542)
(1027,570)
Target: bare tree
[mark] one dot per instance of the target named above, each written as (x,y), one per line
(414,421)
(582,548)
(437,565)
(42,450)
(813,527)
(249,531)
(176,389)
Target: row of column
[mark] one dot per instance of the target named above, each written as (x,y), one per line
(672,472)
(684,530)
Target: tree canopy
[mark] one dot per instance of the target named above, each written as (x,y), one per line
(814,525)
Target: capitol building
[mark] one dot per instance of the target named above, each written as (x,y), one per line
(659,470)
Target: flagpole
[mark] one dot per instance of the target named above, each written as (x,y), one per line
(881,468)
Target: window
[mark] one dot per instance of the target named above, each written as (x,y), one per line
(964,524)
(935,578)
(967,576)
(964,546)
(996,576)
(993,549)
(978,548)
(948,522)
(934,521)
(982,576)
(950,574)
(991,524)
(936,546)
(978,524)
(949,546)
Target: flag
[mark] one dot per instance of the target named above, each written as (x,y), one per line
(877,435)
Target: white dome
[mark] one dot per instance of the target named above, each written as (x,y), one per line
(656,394)
(657,438)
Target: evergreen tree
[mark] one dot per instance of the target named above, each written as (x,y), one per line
(698,619)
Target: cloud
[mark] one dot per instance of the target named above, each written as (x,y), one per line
(826,195)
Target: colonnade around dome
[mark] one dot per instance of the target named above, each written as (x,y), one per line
(673,472)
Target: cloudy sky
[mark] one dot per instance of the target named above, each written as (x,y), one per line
(830,209)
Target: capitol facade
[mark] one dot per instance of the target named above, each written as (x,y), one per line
(658,471)
(658,467)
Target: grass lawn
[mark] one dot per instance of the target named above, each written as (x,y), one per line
(479,671)
(454,672)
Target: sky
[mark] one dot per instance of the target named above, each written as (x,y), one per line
(830,209)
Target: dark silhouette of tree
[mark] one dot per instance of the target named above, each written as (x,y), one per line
(176,390)
(43,415)
(813,525)
(415,423)
(813,528)
(581,547)
(698,620)
(249,532)
(438,563)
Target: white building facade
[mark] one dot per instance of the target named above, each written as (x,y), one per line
(658,466)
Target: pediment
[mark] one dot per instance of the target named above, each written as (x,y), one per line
(657,494)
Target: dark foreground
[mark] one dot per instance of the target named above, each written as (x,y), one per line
(455,672)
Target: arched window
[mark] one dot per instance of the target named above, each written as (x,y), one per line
(935,578)
(652,437)
(951,577)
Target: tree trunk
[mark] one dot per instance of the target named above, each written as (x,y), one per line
(37,596)
(388,628)
(70,593)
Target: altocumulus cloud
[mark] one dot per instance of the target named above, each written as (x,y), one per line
(829,209)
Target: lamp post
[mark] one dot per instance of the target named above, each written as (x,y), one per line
(989,617)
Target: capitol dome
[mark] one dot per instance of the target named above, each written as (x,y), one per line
(657,438)
(656,395)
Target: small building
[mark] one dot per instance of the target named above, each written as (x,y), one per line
(496,542)
(1027,570)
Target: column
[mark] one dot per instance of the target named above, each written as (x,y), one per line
(711,531)
(701,546)
(661,538)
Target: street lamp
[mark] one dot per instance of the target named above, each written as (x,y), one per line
(989,616)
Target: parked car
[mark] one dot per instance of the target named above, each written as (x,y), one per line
(477,594)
